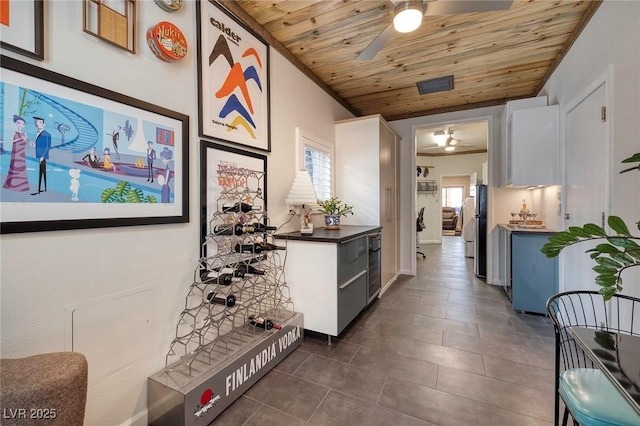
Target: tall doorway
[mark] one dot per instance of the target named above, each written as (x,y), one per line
(469,140)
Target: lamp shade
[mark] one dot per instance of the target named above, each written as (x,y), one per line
(302,191)
(407,17)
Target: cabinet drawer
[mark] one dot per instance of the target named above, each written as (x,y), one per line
(352,259)
(352,298)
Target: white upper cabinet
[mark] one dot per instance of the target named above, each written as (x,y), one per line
(534,147)
(529,143)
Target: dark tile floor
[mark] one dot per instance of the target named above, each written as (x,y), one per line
(440,348)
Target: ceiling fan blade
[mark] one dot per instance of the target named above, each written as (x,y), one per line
(377,44)
(453,7)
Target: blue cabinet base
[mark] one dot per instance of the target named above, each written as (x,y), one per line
(534,277)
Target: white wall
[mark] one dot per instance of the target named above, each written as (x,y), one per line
(44,274)
(612,37)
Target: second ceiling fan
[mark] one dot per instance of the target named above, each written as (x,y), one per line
(407,17)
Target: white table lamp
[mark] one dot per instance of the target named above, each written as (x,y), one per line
(303,194)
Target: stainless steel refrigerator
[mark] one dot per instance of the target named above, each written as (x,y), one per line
(480,251)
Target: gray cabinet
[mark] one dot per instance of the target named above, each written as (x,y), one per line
(327,275)
(534,277)
(352,280)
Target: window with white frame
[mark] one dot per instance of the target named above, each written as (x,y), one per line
(452,196)
(316,157)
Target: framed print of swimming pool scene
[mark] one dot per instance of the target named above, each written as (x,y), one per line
(74,155)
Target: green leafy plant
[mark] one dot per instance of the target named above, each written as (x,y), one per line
(125,193)
(635,158)
(334,207)
(617,251)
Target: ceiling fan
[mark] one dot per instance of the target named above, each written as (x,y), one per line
(449,143)
(407,17)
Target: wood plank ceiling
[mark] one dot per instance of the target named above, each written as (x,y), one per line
(493,56)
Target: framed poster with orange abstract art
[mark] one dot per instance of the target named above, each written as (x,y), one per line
(22,27)
(233,79)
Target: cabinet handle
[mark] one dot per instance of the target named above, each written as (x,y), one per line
(350,239)
(387,203)
(348,283)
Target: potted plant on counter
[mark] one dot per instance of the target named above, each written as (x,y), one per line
(333,209)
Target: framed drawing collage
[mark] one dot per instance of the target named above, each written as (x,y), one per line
(74,155)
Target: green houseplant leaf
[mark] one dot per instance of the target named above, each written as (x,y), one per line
(618,225)
(615,254)
(334,207)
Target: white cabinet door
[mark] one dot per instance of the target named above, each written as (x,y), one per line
(505,137)
(535,146)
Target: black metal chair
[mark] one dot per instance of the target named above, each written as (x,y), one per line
(419,227)
(580,384)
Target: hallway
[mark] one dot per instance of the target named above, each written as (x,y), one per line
(440,348)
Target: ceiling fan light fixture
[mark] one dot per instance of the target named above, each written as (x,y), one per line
(407,16)
(452,142)
(450,148)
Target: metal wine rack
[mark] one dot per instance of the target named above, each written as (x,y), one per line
(208,334)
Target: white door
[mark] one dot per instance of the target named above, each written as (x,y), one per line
(587,180)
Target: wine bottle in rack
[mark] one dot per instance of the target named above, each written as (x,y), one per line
(249,269)
(236,229)
(221,279)
(236,272)
(260,247)
(228,301)
(259,227)
(262,322)
(239,229)
(236,208)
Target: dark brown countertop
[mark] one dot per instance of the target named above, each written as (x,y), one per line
(323,235)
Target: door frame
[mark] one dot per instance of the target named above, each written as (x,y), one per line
(606,80)
(492,149)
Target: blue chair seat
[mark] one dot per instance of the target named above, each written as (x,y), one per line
(593,401)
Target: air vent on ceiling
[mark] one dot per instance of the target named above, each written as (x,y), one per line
(435,85)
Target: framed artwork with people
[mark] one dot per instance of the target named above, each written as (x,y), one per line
(74,155)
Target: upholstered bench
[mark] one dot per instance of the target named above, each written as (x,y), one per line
(48,389)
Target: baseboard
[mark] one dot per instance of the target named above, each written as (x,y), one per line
(389,284)
(139,419)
